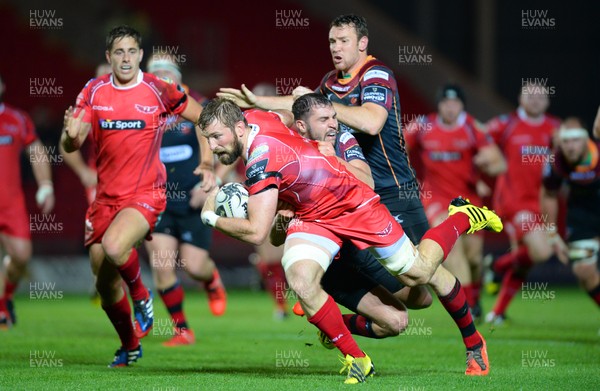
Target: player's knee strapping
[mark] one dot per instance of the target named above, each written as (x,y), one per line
(584,251)
(398,258)
(302,252)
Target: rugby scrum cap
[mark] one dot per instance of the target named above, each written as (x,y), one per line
(451,91)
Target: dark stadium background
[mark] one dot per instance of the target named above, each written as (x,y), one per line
(483,45)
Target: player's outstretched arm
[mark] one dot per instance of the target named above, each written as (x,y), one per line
(40,164)
(245,99)
(255,229)
(368,118)
(75,130)
(357,167)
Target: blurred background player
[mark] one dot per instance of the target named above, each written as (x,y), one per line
(525,139)
(131,179)
(180,238)
(576,163)
(446,143)
(365,97)
(17,133)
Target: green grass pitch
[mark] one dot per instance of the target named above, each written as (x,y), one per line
(65,343)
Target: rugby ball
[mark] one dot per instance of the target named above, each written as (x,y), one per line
(232,201)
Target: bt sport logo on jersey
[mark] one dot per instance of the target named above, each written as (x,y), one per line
(122,124)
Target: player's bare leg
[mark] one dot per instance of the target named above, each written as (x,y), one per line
(305,263)
(386,316)
(17,254)
(127,229)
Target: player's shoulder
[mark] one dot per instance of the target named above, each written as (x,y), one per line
(253,115)
(17,113)
(160,83)
(501,121)
(474,123)
(376,71)
(94,83)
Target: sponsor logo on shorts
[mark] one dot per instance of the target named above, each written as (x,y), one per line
(122,124)
(386,231)
(146,206)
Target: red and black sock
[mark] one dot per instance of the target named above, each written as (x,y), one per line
(132,275)
(120,316)
(9,289)
(511,284)
(456,304)
(468,288)
(173,299)
(359,325)
(595,294)
(329,320)
(447,233)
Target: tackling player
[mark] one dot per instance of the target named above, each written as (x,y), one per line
(330,205)
(359,283)
(17,133)
(126,113)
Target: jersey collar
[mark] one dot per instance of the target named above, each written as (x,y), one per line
(345,80)
(255,129)
(460,121)
(140,77)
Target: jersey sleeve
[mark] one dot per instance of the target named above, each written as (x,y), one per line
(377,86)
(260,175)
(172,95)
(28,133)
(83,102)
(349,149)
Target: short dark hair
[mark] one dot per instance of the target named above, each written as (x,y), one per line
(223,110)
(305,103)
(358,22)
(120,32)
